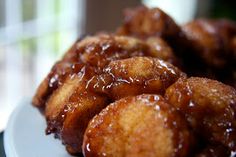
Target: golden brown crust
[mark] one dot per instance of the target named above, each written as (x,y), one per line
(144,125)
(134,76)
(96,51)
(145,75)
(142,22)
(162,50)
(104,68)
(67,96)
(209,106)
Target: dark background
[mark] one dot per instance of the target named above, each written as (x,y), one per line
(2,154)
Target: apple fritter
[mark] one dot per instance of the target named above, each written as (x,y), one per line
(144,125)
(209,106)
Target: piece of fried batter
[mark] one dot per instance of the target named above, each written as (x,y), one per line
(142,22)
(121,78)
(162,50)
(209,106)
(96,51)
(65,95)
(144,125)
(134,76)
(212,40)
(70,108)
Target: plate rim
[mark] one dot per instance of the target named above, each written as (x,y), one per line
(7,142)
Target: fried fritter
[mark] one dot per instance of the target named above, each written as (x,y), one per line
(134,76)
(209,106)
(144,125)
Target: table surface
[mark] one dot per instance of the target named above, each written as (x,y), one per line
(2,153)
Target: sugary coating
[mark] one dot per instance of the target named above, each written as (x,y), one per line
(65,95)
(209,106)
(142,22)
(96,51)
(134,76)
(162,50)
(100,50)
(212,40)
(144,125)
(70,108)
(88,94)
(101,69)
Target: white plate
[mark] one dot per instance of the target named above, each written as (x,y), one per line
(25,136)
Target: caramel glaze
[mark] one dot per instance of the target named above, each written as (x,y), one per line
(150,110)
(210,49)
(134,76)
(143,23)
(119,79)
(90,58)
(104,74)
(209,106)
(96,51)
(203,47)
(214,151)
(212,40)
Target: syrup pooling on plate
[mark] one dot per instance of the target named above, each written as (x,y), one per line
(144,125)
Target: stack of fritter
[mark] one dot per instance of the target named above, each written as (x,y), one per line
(128,93)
